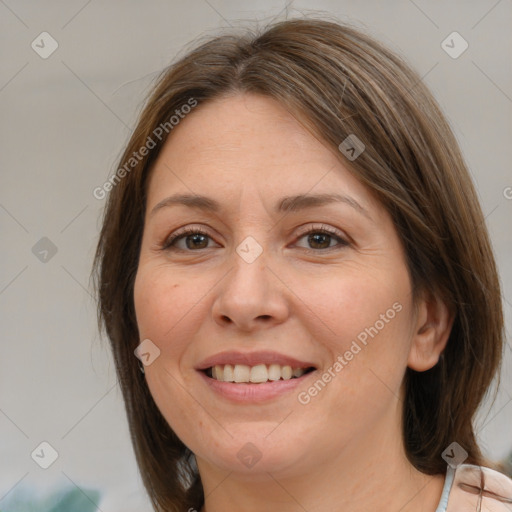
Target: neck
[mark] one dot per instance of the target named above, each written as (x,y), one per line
(369,473)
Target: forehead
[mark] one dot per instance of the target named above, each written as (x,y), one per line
(247,142)
(240,130)
(242,133)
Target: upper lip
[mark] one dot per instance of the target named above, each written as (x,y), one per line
(252,359)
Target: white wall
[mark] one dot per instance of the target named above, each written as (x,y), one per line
(64,121)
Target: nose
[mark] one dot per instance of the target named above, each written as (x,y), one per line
(251,296)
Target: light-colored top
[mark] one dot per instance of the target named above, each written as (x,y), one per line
(469,488)
(448,482)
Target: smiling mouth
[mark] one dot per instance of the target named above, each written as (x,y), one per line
(259,374)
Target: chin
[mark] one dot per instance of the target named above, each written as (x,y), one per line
(253,455)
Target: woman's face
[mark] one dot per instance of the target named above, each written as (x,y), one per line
(321,281)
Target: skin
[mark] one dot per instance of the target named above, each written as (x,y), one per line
(307,298)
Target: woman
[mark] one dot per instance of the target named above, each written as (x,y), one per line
(294,250)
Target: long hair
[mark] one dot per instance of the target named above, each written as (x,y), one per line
(337,81)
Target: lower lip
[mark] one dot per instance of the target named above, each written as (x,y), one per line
(247,392)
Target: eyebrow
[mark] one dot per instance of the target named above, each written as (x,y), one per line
(286,204)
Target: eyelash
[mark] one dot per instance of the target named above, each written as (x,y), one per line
(168,243)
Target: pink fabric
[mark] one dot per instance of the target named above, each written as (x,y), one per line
(479,489)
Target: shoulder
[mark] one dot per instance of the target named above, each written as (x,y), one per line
(479,488)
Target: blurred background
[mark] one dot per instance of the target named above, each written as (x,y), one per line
(73,77)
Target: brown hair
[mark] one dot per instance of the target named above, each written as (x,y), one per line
(339,82)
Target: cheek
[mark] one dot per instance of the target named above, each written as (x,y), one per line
(161,299)
(170,310)
(164,306)
(353,302)
(366,318)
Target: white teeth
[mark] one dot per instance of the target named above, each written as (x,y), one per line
(286,372)
(274,372)
(228,373)
(218,372)
(297,372)
(241,373)
(260,373)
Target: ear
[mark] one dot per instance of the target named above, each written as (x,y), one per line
(434,321)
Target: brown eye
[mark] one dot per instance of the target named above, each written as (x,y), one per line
(194,239)
(320,239)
